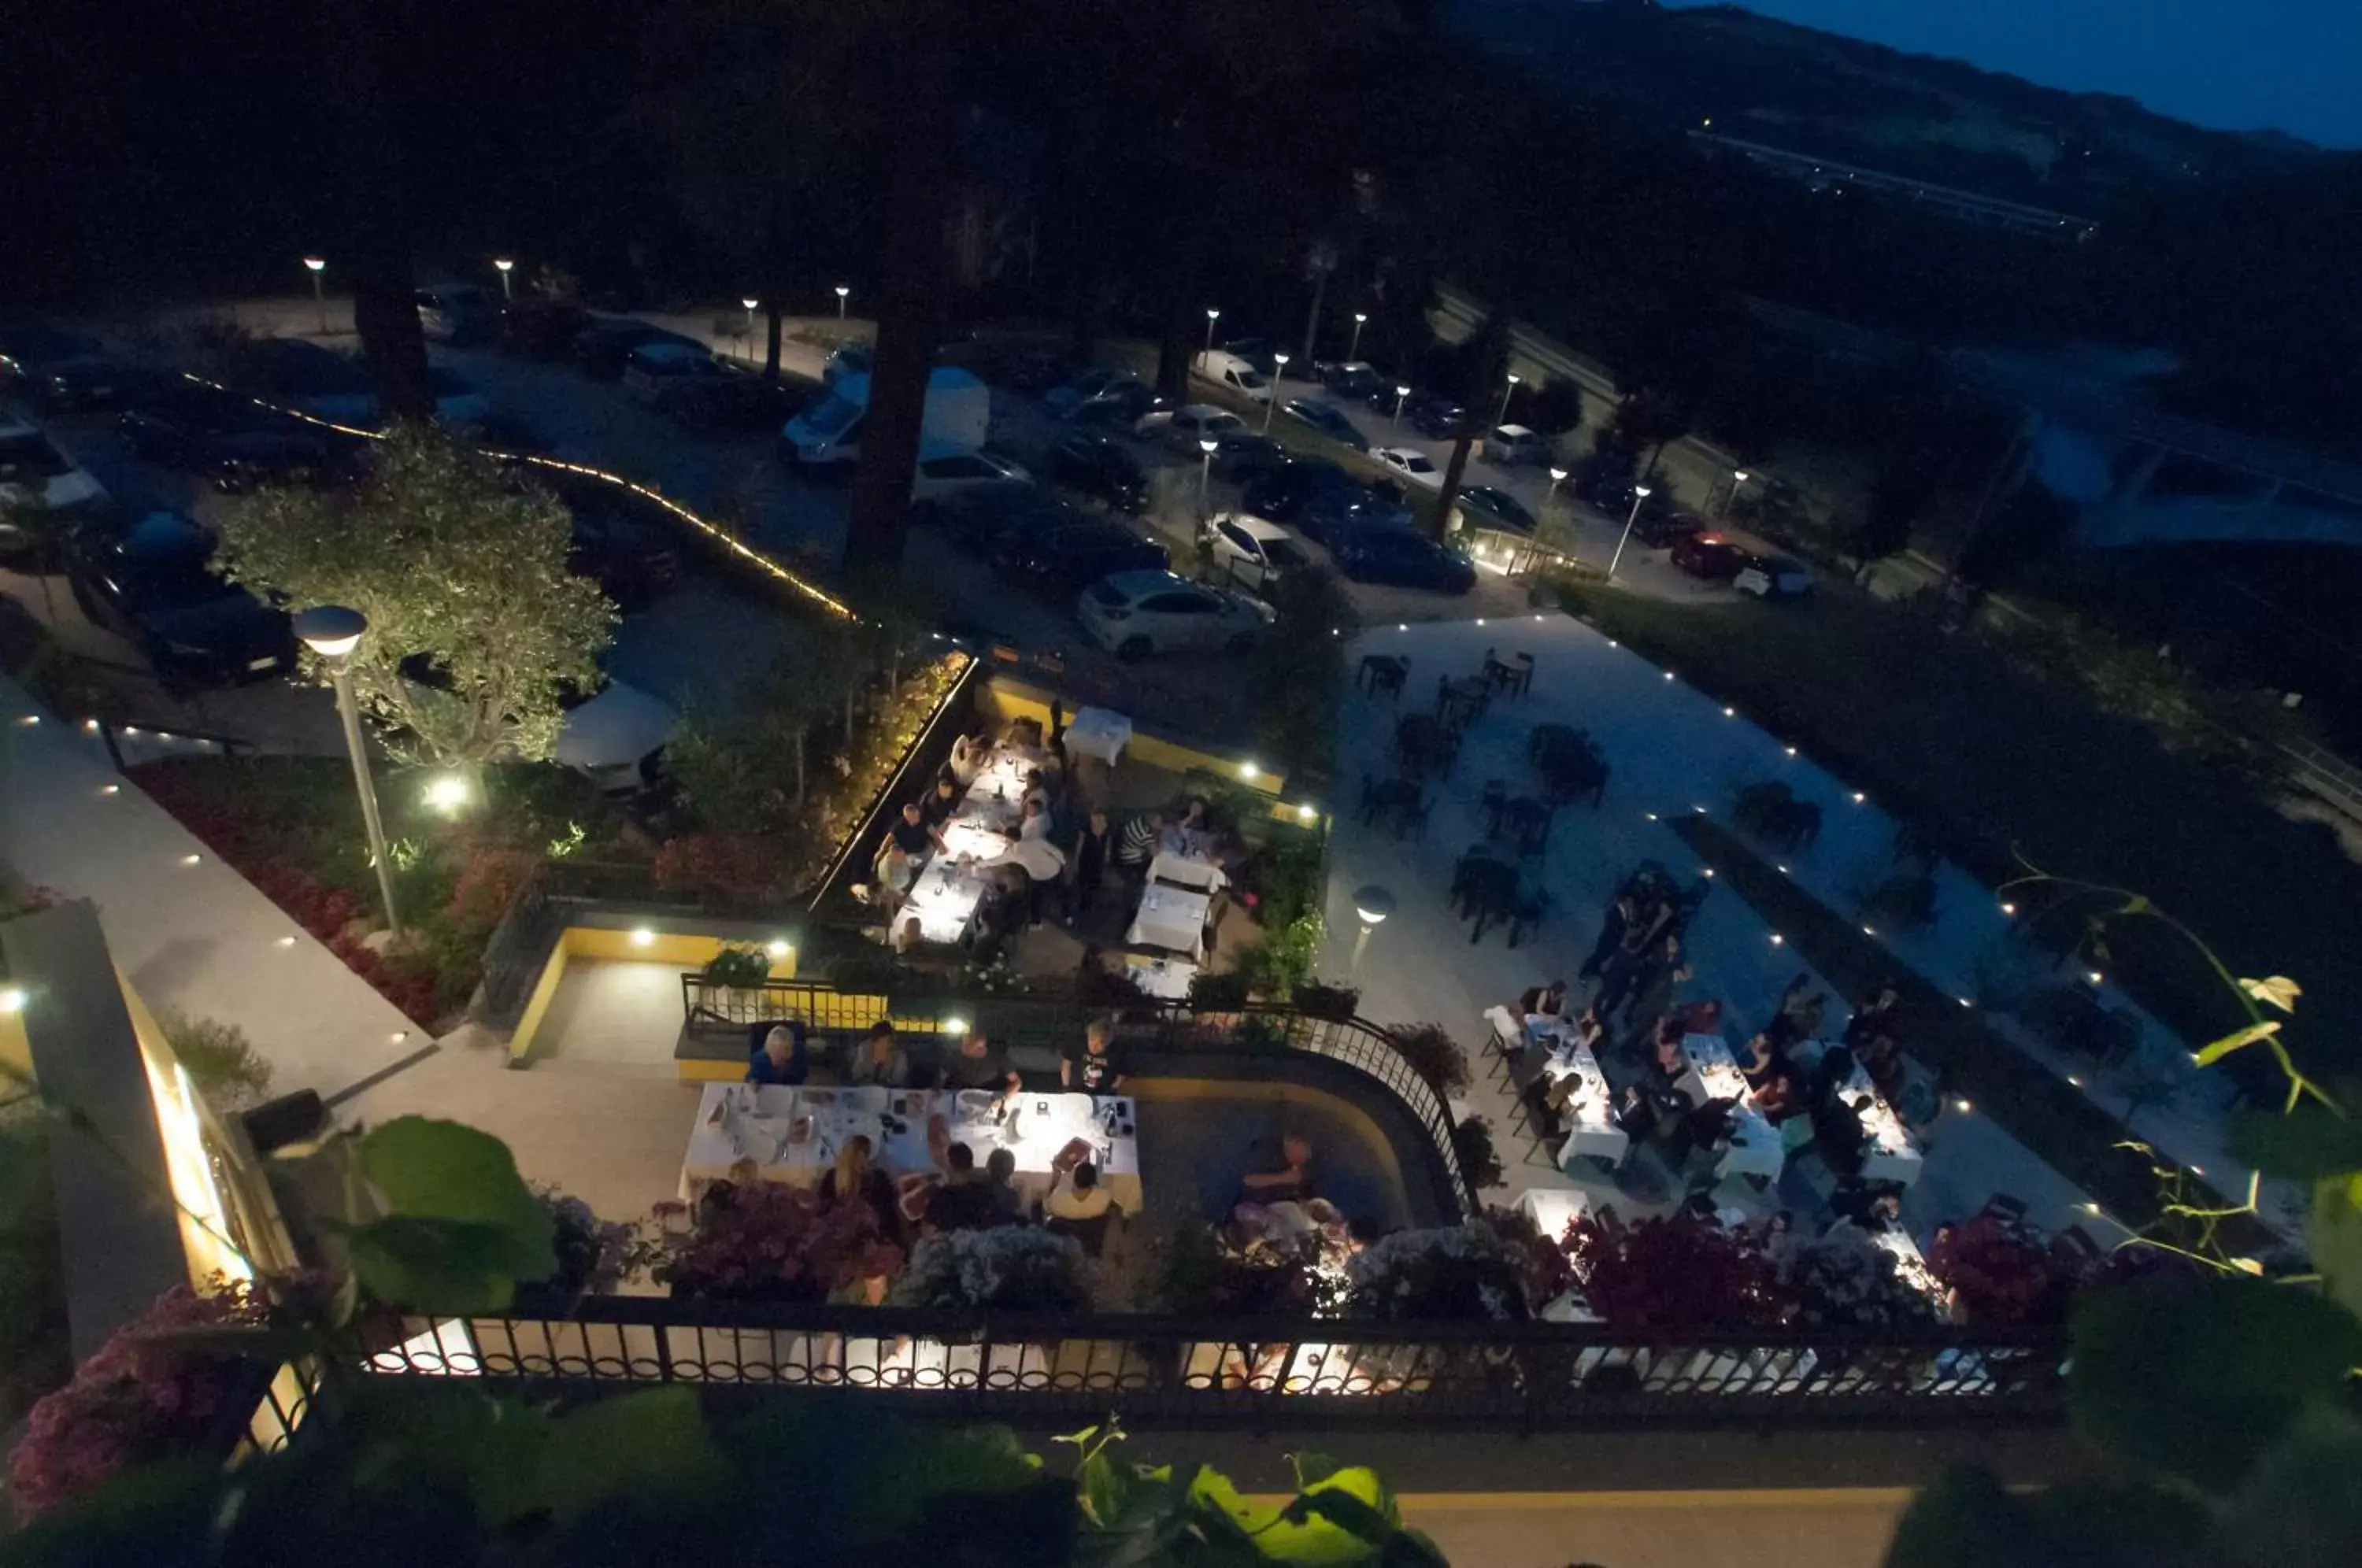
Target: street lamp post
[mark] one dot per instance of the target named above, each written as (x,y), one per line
(1640,494)
(1361,320)
(1205,445)
(843,292)
(317,265)
(1730,496)
(505,266)
(1372,904)
(1402,390)
(1508,388)
(334,632)
(750,304)
(1213,314)
(1279,364)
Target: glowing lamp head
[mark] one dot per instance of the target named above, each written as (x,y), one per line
(1515,378)
(1207,444)
(750,304)
(1739,476)
(777,947)
(844,290)
(1558,476)
(1279,358)
(502,263)
(331,630)
(1213,314)
(1642,490)
(1402,391)
(12,999)
(1360,317)
(1372,904)
(317,263)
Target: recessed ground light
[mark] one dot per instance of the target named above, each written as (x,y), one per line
(1791,751)
(1778,940)
(286,942)
(130,729)
(2009,909)
(1650,815)
(110,788)
(1699,810)
(91,725)
(2095,976)
(1705,870)
(1966,1002)
(1782,869)
(1731,713)
(1480,620)
(2198,1170)
(2088,1208)
(1963,1106)
(2076,1081)
(1401,626)
(30,720)
(1669,675)
(1867,931)
(12,999)
(400,1035)
(190,859)
(1858,797)
(1613,642)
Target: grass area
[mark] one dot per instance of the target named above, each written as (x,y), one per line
(2052,1118)
(1992,765)
(292,825)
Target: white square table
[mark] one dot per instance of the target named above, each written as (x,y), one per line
(1888,1151)
(1166,980)
(1714,1074)
(1172,918)
(1591,1127)
(1098,732)
(1189,870)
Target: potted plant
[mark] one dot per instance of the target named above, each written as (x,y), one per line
(1460,1272)
(2000,1278)
(750,1239)
(1845,1281)
(1318,998)
(1675,1273)
(1434,1056)
(737,973)
(1015,1268)
(594,1255)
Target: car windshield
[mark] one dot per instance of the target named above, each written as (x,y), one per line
(1416,463)
(832,416)
(30,457)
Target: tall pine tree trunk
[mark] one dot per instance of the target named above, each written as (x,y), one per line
(365,56)
(771,340)
(1488,369)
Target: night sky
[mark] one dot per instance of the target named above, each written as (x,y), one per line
(2292,66)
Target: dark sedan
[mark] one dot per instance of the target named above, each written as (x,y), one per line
(1241,456)
(174,423)
(1659,527)
(1335,514)
(601,348)
(91,380)
(1062,561)
(1360,382)
(730,402)
(981,517)
(1283,494)
(1328,421)
(154,582)
(1488,506)
(1121,406)
(28,347)
(543,329)
(1103,468)
(632,565)
(1406,559)
(1709,557)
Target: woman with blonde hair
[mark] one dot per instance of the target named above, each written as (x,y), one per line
(858,1178)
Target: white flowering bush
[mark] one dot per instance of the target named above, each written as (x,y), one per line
(1847,1281)
(1462,1272)
(1017,1268)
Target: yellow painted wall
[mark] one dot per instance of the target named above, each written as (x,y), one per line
(15,1050)
(999,701)
(688,950)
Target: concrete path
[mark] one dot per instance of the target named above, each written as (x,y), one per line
(188,932)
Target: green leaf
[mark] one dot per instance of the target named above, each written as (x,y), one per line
(651,1444)
(2197,1377)
(2334,1236)
(2279,991)
(2214,1051)
(2308,1142)
(463,1184)
(441,1267)
(1291,1534)
(1967,1520)
(2300,1506)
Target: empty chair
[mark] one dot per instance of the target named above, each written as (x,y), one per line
(2007,1207)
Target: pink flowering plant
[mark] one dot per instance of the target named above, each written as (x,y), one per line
(750,1239)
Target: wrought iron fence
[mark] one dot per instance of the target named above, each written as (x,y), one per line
(1524,1376)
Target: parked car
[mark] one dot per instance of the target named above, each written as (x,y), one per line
(1183,427)
(1429,413)
(981,518)
(1412,464)
(172,423)
(1358,380)
(1242,455)
(457,313)
(542,329)
(1402,558)
(947,470)
(730,403)
(1773,577)
(1061,402)
(847,360)
(649,369)
(35,469)
(1284,493)
(1509,445)
(1709,557)
(240,463)
(1252,552)
(1334,514)
(1328,420)
(633,564)
(601,348)
(1020,366)
(28,347)
(1661,527)
(1135,613)
(1059,560)
(1488,506)
(1121,405)
(154,582)
(1103,468)
(89,381)
(1225,368)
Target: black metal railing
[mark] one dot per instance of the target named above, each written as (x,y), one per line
(1053,1023)
(1261,1372)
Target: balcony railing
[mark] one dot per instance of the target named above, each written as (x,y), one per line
(1048,1023)
(1528,1378)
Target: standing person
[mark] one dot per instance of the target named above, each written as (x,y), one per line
(879,1060)
(1661,971)
(1094,1069)
(979,1063)
(1093,846)
(1611,934)
(1137,846)
(969,755)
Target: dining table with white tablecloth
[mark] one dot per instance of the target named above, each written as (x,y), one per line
(1714,1073)
(1553,1210)
(1171,918)
(951,885)
(794,1134)
(1188,871)
(1166,980)
(1889,1153)
(1588,1109)
(1098,732)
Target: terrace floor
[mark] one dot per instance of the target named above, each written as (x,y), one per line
(1670,750)
(614,1013)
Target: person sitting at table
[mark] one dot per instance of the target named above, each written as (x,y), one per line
(1292,1182)
(912,834)
(1542,1007)
(1830,1074)
(1189,835)
(1093,1068)
(1077,1195)
(969,756)
(1673,1062)
(781,1058)
(1776,1096)
(1874,1017)
(878,1061)
(963,1202)
(1137,845)
(1000,1184)
(943,803)
(1036,791)
(1034,822)
(907,934)
(1635,1115)
(1589,1031)
(1759,1061)
(856,1177)
(1094,845)
(979,1063)
(1838,1133)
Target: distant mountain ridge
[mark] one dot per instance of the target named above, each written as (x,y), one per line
(1848,100)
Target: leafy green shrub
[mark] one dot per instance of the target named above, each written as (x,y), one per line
(1434,1056)
(1473,1140)
(738,968)
(219,1059)
(1283,960)
(1323,999)
(1209,992)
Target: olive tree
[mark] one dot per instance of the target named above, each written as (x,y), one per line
(475,622)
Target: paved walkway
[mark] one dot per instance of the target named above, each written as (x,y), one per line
(187,933)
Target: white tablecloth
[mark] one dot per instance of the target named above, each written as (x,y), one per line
(738,1122)
(1166,980)
(1172,918)
(1552,1210)
(1887,1152)
(1590,1111)
(1754,1142)
(1098,732)
(1189,870)
(949,886)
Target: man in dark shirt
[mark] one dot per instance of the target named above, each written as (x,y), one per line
(942,803)
(911,835)
(964,1202)
(1092,1068)
(979,1064)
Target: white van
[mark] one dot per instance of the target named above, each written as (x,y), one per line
(959,415)
(1509,444)
(1228,370)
